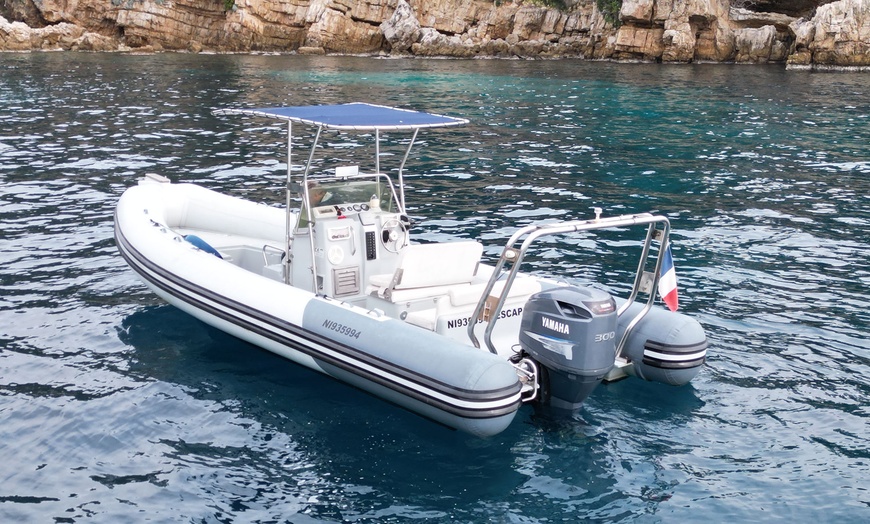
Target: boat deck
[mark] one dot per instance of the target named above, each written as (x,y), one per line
(440,300)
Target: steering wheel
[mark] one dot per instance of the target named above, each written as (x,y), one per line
(394,235)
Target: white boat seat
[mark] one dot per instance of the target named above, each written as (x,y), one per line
(523,286)
(461,300)
(425,270)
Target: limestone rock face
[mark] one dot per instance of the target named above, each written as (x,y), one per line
(14,36)
(840,34)
(94,42)
(755,45)
(804,32)
(347,26)
(638,12)
(640,43)
(402,29)
(17,36)
(647,30)
(688,30)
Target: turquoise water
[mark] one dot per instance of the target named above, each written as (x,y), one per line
(115,407)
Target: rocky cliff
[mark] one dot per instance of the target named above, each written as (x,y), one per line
(799,32)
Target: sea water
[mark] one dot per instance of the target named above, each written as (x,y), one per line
(115,407)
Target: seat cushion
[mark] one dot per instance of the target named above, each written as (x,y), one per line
(429,265)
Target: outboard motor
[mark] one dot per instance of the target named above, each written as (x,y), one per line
(571,333)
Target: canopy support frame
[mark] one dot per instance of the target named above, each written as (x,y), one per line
(288,233)
(354,116)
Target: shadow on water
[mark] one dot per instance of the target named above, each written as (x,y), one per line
(351,441)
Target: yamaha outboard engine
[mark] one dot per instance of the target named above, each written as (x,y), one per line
(571,333)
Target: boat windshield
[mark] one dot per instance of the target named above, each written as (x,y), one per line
(347,197)
(355,193)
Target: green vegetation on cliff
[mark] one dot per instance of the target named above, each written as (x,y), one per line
(610,10)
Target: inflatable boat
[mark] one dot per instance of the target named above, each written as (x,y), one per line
(332,280)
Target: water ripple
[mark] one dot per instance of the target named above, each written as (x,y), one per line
(114,405)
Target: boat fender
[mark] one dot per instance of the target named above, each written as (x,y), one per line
(203,245)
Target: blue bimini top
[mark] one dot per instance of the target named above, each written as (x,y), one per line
(356,116)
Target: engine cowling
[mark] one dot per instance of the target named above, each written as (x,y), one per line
(571,333)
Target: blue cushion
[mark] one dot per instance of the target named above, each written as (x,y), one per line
(202,244)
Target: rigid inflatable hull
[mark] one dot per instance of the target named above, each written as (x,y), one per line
(466,389)
(665,346)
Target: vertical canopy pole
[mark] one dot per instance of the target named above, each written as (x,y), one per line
(377,151)
(288,226)
(307,206)
(378,159)
(402,172)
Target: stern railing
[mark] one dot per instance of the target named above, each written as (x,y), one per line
(489,307)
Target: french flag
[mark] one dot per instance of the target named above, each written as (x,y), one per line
(668,280)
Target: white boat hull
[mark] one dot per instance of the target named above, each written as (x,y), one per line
(409,346)
(473,391)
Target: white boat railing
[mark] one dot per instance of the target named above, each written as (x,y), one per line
(645,281)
